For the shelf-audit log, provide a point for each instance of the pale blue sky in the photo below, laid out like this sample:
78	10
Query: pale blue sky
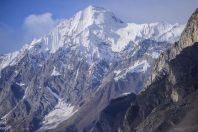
20	20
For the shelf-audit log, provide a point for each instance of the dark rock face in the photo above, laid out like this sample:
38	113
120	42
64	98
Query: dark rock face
188	38
112	116
163	106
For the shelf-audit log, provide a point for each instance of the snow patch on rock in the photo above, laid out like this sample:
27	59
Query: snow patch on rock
155	55
20	84
62	111
174	96
139	66
55	72
125	94
8	59
117	72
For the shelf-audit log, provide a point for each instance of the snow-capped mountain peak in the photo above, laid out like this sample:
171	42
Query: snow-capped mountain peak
93	27
93	16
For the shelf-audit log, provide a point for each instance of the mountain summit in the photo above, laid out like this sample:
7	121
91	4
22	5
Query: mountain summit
94	15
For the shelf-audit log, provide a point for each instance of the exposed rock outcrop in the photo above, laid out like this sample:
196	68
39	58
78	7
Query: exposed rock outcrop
188	37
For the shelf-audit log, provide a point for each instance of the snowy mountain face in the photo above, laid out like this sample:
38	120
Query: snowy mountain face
94	27
55	77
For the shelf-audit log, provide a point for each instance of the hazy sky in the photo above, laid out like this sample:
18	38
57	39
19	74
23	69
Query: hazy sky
23	20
